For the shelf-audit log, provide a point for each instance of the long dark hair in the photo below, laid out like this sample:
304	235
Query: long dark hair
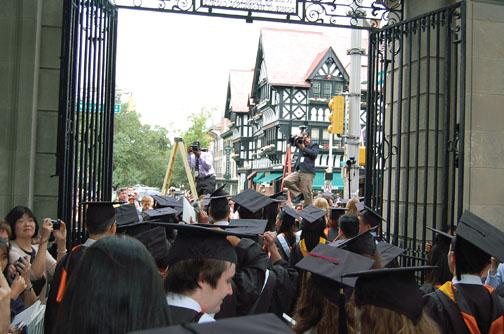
312	232
17	213
115	289
287	227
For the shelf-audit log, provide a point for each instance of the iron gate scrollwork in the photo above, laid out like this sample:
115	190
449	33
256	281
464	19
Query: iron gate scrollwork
415	126
86	117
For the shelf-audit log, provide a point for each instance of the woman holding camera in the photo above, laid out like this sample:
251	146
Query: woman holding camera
24	229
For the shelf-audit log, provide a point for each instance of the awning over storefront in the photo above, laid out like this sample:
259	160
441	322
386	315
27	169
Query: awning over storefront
271	177
318	181
258	177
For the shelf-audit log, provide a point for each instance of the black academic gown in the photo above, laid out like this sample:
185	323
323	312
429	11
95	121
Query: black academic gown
52	306
296	255
474	305
285	289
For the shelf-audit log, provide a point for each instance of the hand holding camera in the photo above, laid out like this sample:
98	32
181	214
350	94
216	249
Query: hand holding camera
23	266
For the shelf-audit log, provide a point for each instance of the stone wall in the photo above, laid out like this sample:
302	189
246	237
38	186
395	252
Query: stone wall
29	86
484	149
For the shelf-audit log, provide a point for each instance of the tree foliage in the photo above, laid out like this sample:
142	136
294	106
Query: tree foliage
140	151
196	132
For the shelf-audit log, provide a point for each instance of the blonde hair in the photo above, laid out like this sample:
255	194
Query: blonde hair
148	199
315	311
379	320
322	203
351	206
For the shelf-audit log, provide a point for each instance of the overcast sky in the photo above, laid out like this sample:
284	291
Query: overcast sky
176	64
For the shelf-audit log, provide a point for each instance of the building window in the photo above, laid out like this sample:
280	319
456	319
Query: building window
315	89
339	88
327	90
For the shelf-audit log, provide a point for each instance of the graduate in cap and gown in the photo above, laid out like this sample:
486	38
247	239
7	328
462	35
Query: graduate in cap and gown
251	204
464	304
322	303
438	256
389	300
202	264
100	222
286	232
312	233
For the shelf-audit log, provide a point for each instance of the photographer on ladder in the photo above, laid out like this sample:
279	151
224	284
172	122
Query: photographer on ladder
201	163
300	182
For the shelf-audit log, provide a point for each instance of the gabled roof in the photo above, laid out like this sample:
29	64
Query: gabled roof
239	86
290	54
321	59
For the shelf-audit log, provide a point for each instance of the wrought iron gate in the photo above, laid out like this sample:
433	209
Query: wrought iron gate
415	125
87	93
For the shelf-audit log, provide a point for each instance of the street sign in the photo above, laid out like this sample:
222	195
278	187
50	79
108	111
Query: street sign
93	107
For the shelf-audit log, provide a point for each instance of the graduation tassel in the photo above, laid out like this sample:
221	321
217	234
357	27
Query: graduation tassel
342	313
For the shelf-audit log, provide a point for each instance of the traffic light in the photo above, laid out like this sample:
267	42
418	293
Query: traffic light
337	116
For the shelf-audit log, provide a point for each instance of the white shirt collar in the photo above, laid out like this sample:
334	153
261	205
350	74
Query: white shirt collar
467	279
88	242
221	223
175	299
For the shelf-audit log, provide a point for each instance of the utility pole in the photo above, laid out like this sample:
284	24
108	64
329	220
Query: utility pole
354	100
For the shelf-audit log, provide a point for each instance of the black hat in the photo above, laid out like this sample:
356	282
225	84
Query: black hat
337	212
388	252
196	143
291	212
332	263
198	241
393	288
363	244
278	197
441	233
100	214
126	215
266	323
156	243
219	193
166	201
481	234
371	217
252	200
161	213
312	218
311	213
247	226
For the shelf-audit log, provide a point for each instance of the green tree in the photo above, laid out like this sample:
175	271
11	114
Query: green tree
196	132
140	151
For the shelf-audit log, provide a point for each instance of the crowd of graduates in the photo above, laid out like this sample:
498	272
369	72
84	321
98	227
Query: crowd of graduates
247	263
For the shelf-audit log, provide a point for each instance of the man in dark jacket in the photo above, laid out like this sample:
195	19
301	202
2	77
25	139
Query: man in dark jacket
300	182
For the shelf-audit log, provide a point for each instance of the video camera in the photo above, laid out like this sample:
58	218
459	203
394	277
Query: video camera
299	139
351	161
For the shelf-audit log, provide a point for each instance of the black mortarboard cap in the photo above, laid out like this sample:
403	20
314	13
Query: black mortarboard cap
388	252
166	201
156	243
198	241
126	215
312	218
100	213
393	288
278	197
291	212
337	212
252	200
370	216
362	243
266	323
441	233
219	193
481	234
331	263
247	226
161	213
311	213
